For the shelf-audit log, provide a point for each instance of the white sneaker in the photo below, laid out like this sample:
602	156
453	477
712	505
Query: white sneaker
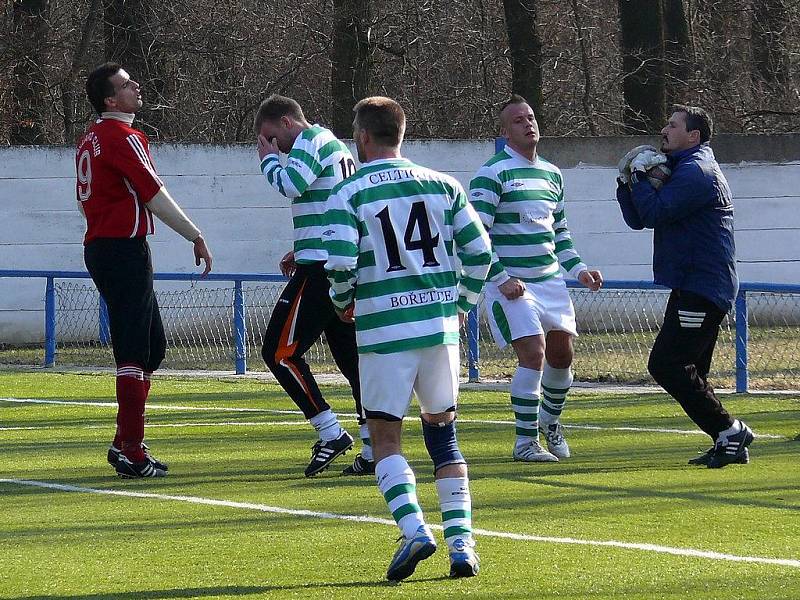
533	452
554	434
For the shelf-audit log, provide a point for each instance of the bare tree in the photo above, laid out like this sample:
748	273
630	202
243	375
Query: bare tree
643	87
79	57
131	39
351	61
769	28
525	48
29	79
586	69
678	64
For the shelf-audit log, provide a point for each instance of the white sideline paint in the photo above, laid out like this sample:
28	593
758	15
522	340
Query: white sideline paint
690	552
341	418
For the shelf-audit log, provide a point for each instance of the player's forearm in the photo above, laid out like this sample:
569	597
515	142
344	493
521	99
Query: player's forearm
166	209
342	288
567	256
497	272
280	179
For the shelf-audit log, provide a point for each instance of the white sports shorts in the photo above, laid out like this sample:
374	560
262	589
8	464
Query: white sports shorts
389	380
544	306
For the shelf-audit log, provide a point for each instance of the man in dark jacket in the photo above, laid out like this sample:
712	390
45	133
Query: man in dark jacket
693	254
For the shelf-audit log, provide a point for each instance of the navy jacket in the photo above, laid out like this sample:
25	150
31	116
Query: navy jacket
692	221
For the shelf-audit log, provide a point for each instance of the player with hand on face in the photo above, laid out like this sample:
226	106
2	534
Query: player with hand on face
317	161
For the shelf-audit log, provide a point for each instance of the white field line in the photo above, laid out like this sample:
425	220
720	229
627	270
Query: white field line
690	552
297	412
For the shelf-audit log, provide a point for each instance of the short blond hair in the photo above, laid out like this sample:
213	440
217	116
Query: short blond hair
383	118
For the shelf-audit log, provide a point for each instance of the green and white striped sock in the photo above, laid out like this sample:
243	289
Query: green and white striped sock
525	403
555	385
399	488
456	504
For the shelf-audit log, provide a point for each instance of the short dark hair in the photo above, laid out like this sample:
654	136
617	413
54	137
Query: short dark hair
383	118
275	107
98	86
697	119
512	99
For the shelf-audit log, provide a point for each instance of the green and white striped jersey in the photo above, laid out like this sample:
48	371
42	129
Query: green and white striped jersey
392	229
316	163
521	204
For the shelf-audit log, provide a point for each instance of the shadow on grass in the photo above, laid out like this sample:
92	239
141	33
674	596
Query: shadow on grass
229	590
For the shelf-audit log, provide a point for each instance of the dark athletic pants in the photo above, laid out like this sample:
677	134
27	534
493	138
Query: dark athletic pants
302	314
122	270
681	358
123	273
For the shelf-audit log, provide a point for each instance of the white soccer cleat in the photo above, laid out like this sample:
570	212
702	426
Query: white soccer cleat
533	452
554	434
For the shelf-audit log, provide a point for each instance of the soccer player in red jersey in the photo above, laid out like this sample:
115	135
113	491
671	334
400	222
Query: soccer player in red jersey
118	191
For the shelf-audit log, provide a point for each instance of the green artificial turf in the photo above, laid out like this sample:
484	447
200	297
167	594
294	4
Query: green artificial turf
620	485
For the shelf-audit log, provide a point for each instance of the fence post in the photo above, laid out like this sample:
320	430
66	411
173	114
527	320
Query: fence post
239	331
104	330
473	339
50	324
741	342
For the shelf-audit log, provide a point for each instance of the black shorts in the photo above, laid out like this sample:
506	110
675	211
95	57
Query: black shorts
122	270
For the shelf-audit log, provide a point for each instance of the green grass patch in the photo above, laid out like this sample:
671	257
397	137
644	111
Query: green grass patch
628	486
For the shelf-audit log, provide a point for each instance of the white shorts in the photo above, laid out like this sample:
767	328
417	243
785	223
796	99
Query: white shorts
388	380
544	306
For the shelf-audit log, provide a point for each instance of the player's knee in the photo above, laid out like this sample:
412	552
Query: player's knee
268	352
560	360
442	445
660	369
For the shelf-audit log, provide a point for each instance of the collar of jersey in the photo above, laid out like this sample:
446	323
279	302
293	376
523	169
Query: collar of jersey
383	162
119	116
513	153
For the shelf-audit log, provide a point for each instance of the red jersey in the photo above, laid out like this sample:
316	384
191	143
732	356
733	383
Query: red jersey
116	178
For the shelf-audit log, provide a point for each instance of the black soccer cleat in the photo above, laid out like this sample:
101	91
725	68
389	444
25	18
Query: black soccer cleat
324	453
734	450
360	466
114	454
131	470
704	458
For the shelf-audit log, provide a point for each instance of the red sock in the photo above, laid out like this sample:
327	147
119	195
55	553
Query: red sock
130	414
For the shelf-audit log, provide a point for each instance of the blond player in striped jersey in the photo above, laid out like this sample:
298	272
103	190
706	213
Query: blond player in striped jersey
520	199
393	230
317	161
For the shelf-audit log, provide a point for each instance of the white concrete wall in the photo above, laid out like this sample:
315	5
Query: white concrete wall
248	226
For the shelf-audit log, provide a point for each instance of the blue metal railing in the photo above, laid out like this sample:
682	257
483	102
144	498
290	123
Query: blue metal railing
239	332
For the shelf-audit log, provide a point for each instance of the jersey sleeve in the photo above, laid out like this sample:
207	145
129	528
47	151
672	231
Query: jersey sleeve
473	248
131	157
485	190
567	256
302	167
340	239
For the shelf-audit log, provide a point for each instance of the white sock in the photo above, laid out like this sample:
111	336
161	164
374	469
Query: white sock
456	504
366	444
525	403
732	430
327	425
555	385
398	485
